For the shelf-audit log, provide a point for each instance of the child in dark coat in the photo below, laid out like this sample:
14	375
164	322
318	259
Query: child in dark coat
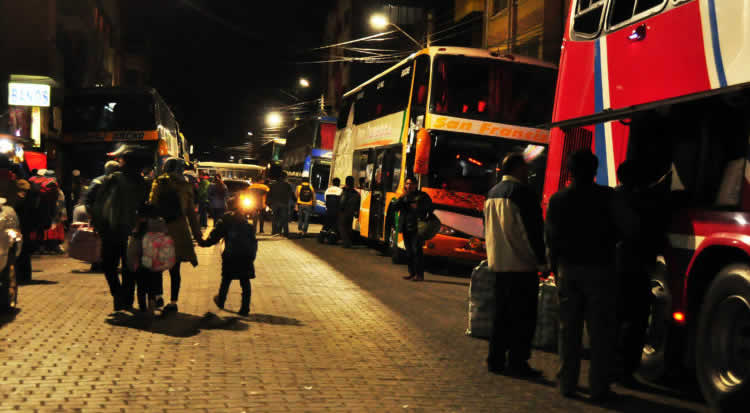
238	256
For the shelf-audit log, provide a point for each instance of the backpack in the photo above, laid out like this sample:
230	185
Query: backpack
305	193
240	240
47	193
169	206
158	252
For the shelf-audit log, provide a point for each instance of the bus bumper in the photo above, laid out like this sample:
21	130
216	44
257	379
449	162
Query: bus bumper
456	248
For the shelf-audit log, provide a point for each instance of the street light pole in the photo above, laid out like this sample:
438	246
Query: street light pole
419	45
379	22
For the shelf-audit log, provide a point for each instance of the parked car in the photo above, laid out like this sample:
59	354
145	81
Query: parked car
10	248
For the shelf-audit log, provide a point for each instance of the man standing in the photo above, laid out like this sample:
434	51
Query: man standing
414	206
514	233
582	227
305	204
280	194
259	191
114	216
333	201
350	201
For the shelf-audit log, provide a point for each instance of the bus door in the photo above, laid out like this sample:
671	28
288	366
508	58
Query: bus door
387	160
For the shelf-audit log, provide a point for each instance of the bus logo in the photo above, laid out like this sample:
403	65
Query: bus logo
500	130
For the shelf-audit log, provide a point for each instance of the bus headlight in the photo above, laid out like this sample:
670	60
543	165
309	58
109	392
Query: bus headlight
247	202
444	230
475	244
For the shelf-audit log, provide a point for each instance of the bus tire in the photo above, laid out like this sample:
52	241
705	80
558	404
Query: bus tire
723	340
654	358
397	255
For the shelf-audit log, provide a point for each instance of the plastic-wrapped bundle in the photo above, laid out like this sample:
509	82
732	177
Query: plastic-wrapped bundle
548	316
481	301
10	234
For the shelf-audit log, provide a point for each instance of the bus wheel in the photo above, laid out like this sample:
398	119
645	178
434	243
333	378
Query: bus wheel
723	340
653	359
397	256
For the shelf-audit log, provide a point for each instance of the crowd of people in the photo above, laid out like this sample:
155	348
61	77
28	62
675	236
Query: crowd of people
595	241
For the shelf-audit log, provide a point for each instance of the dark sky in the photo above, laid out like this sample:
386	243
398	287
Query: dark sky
220	63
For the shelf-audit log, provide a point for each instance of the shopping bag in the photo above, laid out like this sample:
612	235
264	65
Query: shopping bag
481	301
548	316
428	228
85	244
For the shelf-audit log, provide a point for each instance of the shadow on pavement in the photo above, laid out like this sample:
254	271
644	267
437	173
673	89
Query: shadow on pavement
273	319
177	325
629	403
8	316
37	282
446	282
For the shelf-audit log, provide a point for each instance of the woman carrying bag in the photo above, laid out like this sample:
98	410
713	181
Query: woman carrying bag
416	222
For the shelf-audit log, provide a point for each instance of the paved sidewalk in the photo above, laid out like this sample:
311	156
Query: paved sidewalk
329	330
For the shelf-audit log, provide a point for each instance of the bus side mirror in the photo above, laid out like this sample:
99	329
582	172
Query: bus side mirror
422	152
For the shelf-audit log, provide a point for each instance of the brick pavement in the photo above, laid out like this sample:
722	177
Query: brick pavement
330	330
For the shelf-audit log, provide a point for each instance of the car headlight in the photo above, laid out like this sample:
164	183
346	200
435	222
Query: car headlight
247	202
13	235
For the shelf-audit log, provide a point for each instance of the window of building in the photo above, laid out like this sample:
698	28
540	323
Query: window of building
626	11
498	6
587	18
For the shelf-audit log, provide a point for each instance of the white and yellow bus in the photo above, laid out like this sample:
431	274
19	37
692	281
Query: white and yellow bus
449	115
228	170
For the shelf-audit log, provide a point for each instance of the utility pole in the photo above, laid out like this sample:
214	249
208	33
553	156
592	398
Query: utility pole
430	26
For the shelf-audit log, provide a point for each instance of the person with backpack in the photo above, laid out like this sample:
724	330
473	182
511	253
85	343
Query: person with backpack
115	205
305	204
217	197
350	200
172	196
238	256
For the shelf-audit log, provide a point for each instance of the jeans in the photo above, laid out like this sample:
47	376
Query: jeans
258	220
203	214
586	293
305	211
280	219
634	309
217	213
246	292
414	253
23	262
113	253
345	229
175	279
147	284
515	318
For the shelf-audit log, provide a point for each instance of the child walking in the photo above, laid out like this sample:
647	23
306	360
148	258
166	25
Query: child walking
238	256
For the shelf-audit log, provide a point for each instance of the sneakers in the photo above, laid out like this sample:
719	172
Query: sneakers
218	303
170	308
523	371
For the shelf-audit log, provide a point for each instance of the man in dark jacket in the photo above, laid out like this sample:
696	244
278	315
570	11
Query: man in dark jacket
280	195
414	206
350	201
583	224
114	217
514	235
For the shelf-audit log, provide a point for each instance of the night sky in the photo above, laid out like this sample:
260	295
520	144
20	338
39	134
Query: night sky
219	64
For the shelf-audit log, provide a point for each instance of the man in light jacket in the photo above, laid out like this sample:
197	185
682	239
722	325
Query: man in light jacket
514	234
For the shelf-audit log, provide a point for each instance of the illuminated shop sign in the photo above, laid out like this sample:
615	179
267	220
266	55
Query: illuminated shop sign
28	94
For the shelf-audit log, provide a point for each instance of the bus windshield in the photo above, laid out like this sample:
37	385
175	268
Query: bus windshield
113	112
319	173
468	163
492	90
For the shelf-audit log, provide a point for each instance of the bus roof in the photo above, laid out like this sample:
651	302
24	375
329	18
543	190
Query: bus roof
456	51
230	165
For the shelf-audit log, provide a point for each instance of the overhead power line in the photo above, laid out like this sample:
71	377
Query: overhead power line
361	39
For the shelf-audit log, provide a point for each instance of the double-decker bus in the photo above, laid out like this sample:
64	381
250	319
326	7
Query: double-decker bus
449	115
97	120
307	155
664	83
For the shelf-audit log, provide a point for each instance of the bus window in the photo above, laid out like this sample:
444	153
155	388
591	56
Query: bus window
362	166
625	11
396	152
587	18
319	173
87	113
384	96
492	90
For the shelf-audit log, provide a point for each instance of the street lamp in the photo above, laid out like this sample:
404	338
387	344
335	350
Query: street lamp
380	22
249	134
304	82
273	119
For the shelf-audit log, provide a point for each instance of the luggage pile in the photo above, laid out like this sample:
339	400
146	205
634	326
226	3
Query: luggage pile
481	301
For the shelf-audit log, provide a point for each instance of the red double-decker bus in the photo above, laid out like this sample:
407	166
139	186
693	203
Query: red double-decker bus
665	83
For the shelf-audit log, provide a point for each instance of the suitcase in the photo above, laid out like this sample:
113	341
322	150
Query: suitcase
85	244
548	316
481	301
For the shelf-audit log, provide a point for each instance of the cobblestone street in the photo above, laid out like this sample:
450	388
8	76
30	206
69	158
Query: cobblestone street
330	330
